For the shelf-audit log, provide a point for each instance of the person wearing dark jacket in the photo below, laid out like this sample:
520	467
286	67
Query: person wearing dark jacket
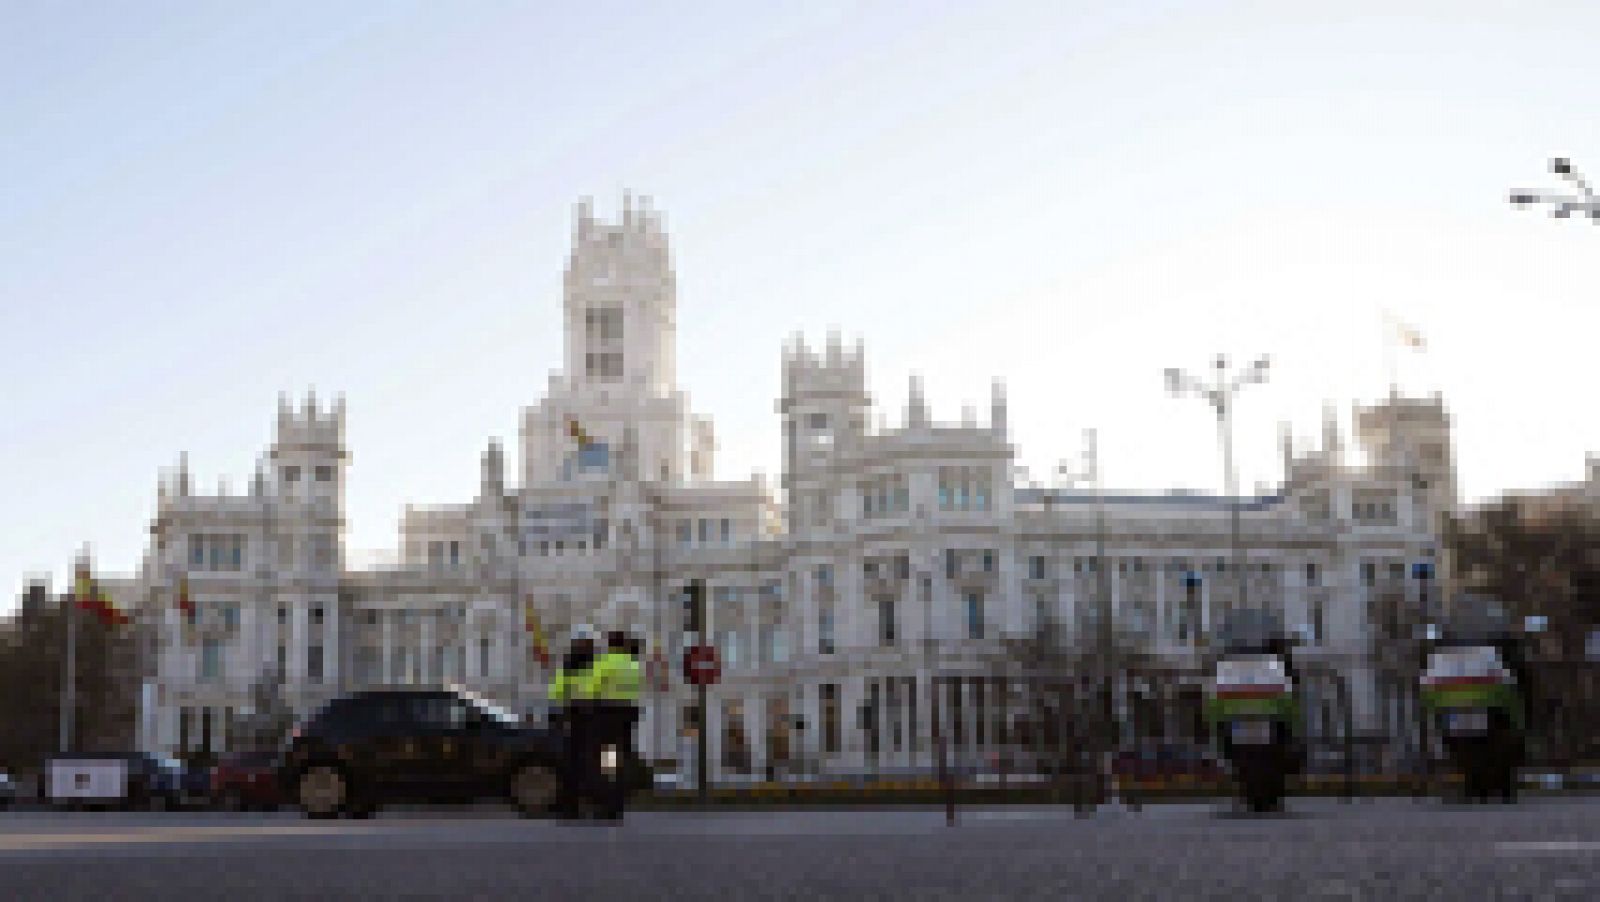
573	689
618	682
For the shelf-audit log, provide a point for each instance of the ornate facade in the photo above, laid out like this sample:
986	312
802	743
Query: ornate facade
897	555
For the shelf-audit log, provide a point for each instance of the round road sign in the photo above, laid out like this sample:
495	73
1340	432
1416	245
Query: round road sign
700	666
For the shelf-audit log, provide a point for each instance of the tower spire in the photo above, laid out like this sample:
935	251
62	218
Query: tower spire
916	405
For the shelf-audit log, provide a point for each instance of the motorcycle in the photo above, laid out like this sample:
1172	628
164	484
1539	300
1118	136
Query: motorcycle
1476	708
1254	711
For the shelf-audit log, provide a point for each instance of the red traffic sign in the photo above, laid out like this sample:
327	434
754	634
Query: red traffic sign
700	666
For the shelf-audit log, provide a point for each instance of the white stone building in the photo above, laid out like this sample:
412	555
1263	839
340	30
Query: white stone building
896	555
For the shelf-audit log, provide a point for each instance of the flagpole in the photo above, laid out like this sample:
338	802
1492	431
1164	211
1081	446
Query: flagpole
1390	324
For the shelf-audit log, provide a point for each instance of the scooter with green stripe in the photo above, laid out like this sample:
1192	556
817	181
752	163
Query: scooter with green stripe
1253	707
1472	693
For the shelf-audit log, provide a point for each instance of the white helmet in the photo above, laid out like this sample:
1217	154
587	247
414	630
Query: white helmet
584	631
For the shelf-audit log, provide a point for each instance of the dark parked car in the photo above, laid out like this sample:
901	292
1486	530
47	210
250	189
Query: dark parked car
246	781
8	791
422	745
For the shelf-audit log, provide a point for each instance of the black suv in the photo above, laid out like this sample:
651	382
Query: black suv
417	745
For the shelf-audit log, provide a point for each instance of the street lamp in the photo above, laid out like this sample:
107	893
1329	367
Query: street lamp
1219	393
1103	633
1563	206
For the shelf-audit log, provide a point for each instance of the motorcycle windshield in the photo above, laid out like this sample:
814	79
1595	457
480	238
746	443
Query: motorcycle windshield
1473	663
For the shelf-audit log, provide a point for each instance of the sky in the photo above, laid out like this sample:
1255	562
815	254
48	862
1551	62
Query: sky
202	205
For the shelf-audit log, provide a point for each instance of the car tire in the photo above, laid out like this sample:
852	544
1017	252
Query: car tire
233	801
322	791
533	789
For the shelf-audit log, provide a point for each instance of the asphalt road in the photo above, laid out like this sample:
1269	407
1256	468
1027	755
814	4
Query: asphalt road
1546	848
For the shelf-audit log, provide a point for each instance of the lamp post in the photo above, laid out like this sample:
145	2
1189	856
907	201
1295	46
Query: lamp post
1563	206
1219	393
1103	626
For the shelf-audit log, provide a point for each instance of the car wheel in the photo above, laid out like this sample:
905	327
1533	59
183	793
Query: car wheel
322	791
534	788
233	801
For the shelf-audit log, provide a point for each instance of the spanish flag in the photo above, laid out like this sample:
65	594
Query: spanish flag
185	603
578	434
1404	333
530	622
89	596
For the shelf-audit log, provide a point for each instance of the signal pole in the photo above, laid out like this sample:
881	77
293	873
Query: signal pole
697	621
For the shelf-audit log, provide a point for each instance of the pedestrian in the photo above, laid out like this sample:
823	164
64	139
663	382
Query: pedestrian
573	690
618	683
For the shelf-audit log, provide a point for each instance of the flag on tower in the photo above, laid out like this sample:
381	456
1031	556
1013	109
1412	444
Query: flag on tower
89	596
185	603
1406	334
578	434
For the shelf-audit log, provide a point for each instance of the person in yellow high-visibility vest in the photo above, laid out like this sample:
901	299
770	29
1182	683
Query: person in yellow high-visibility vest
572	694
618	681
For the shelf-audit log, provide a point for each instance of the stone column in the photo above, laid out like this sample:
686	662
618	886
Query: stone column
386	665
332	643
755	729
298	631
425	647
852	740
1161	575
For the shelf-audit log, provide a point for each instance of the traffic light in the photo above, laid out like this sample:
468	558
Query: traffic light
694	606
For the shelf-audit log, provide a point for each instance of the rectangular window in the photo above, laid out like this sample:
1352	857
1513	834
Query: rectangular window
1369	573
685	532
988	562
230	616
727	529
1316	622
1036	567
887	636
197	551
291	474
825	576
780	646
211	660
705	531
594	458
902	566
974	615
952	563
825	630
316	615
817	421
483	657
435	555
1311	574
314	663
829	696
324	473
455	554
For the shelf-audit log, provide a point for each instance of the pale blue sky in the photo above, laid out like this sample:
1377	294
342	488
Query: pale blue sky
204	204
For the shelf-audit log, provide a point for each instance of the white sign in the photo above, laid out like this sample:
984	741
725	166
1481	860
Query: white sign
101	780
